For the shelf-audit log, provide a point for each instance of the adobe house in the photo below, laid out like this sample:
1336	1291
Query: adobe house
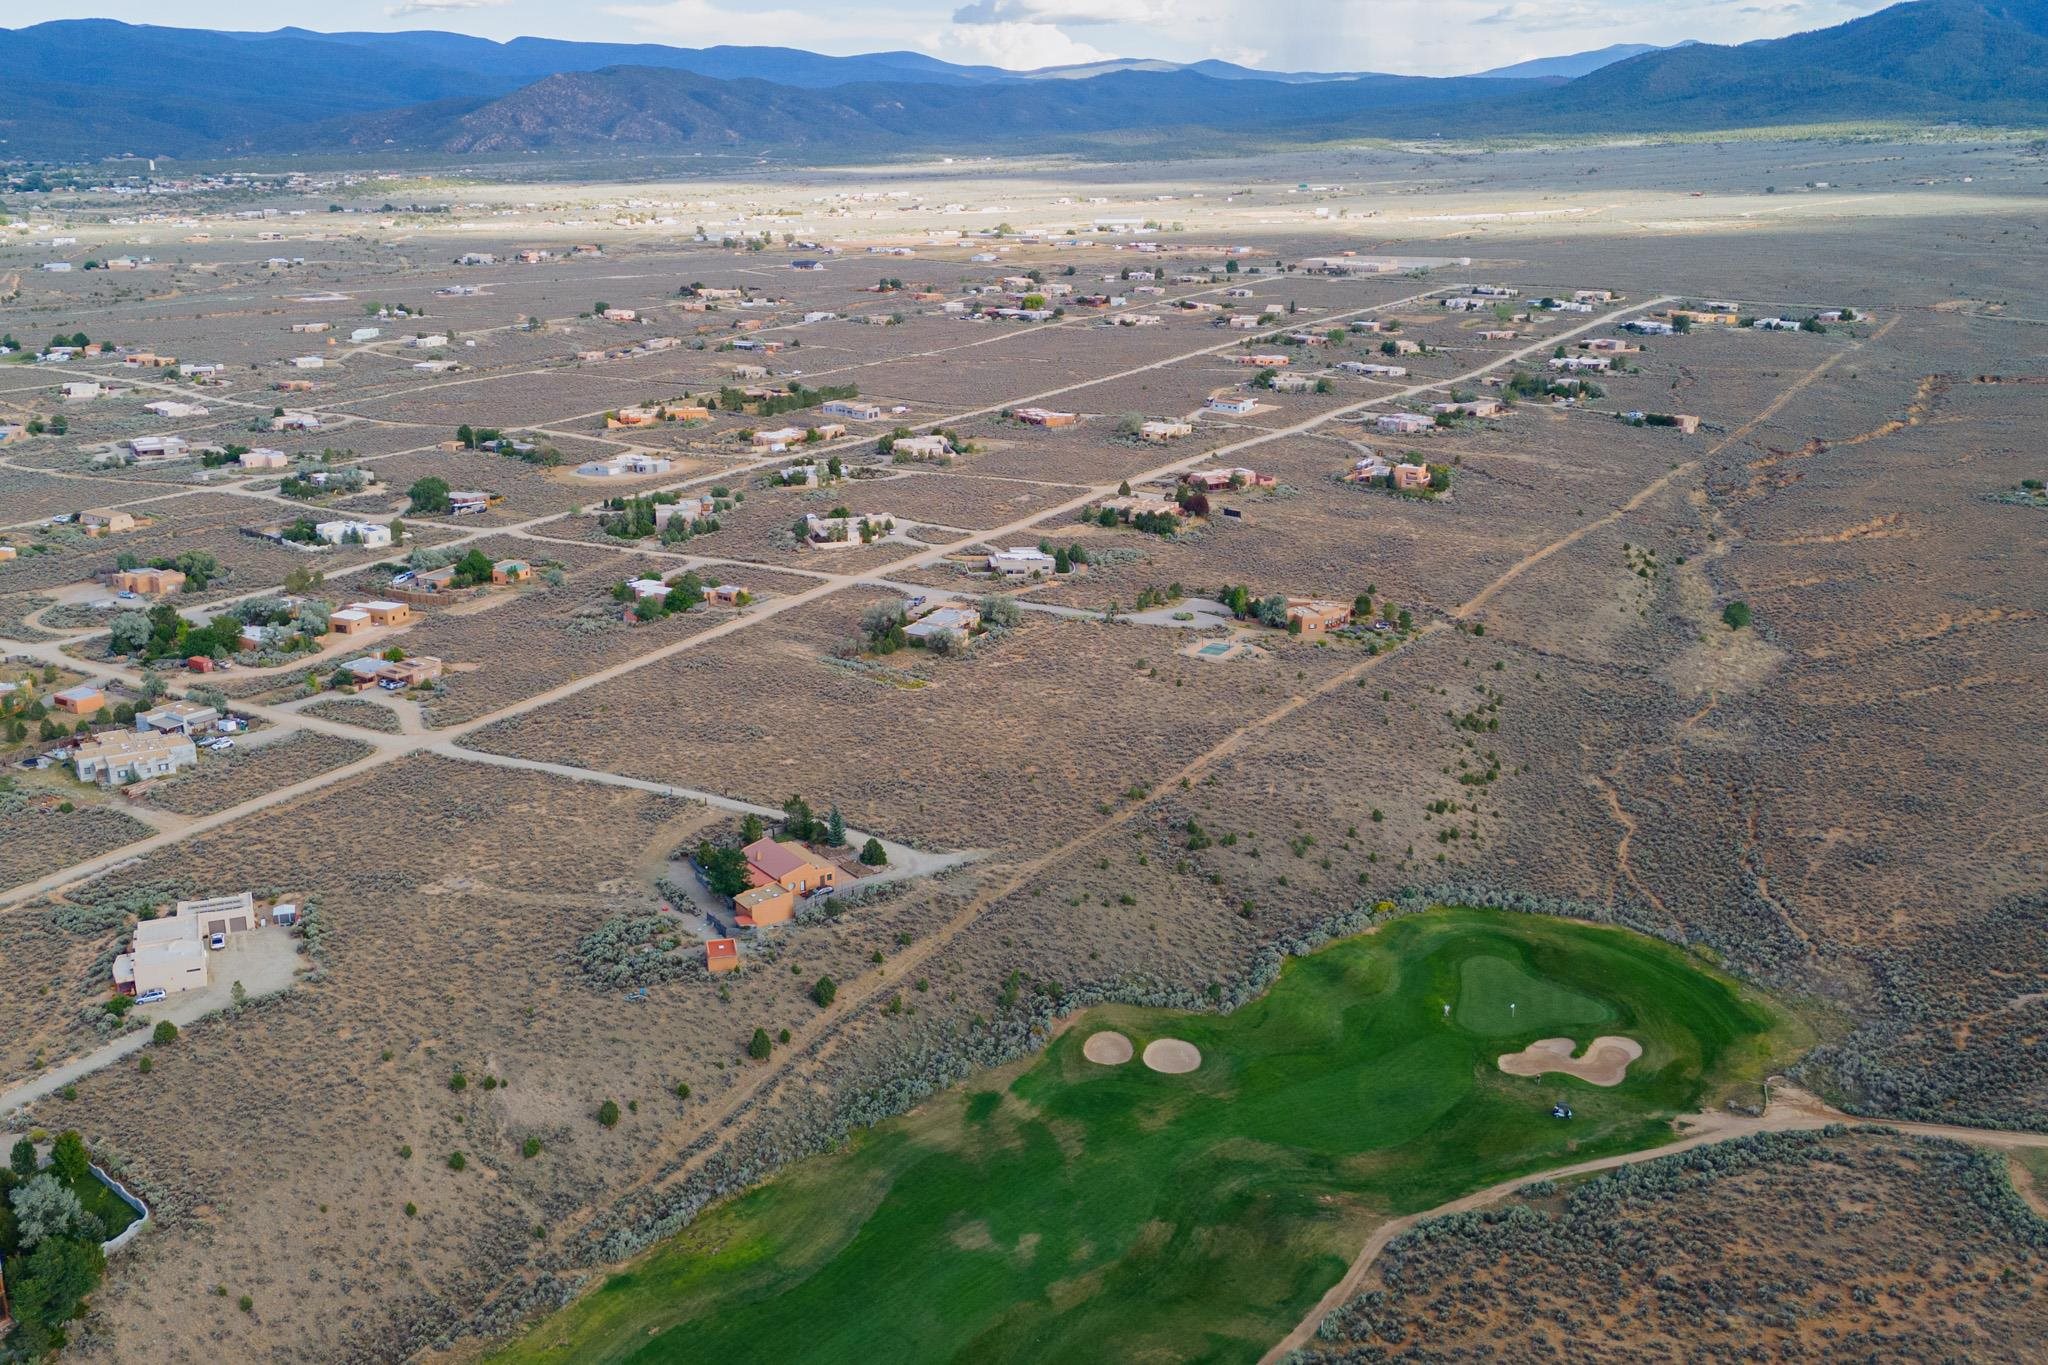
781	871
722	955
82	700
1318	617
150	582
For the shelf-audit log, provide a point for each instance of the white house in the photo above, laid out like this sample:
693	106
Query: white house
82	389
1237	405
177	718
852	409
367	533
125	756
624	465
173	410
308	362
1021	561
1402	423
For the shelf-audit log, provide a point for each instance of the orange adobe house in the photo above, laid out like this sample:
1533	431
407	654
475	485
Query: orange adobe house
82	700
780	871
722	955
1318	617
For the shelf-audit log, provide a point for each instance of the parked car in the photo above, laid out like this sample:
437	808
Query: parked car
126	596
217	942
150	997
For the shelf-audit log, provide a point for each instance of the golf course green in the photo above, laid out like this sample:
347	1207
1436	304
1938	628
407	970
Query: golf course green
1060	1210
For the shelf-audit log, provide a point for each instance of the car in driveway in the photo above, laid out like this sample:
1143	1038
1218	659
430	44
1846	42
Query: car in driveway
217	942
150	997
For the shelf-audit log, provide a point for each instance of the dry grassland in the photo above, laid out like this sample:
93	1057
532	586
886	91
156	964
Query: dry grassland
1781	1246
1002	748
228	780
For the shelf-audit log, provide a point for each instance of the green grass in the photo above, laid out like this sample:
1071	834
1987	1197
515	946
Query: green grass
112	1211
1057	1210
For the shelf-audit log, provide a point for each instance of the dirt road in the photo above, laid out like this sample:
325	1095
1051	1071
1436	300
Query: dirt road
1790	1110
265	961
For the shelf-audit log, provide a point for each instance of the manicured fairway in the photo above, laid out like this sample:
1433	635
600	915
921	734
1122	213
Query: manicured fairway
1064	1210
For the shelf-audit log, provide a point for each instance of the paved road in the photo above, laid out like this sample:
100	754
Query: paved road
265	961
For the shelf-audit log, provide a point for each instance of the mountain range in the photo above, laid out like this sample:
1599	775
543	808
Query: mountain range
89	88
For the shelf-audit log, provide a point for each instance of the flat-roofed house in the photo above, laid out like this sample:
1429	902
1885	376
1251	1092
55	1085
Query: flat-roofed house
1021	561
721	955
410	672
1402	423
1317	616
1216	480
1045	417
169	966
82	700
154	582
178	718
959	621
124	755
382	613
921	447
103	523
365	533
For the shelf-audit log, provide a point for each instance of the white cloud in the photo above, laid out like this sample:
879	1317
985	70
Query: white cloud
706	23
1018	47
410	7
1078	12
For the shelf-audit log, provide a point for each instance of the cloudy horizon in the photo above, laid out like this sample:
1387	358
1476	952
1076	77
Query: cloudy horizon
1412	37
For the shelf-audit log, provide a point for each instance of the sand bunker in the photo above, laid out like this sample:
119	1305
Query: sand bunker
1110	1049
1605	1063
1172	1056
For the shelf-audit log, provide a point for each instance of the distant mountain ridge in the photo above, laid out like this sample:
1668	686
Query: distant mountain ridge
87	88
1575	64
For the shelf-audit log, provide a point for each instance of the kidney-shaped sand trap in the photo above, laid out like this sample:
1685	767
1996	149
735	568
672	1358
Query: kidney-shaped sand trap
1605	1063
1108	1048
1172	1056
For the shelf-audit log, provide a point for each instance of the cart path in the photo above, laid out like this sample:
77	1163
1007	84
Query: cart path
1790	1110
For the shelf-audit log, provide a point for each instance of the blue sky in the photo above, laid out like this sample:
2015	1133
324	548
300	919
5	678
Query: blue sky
1424	37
